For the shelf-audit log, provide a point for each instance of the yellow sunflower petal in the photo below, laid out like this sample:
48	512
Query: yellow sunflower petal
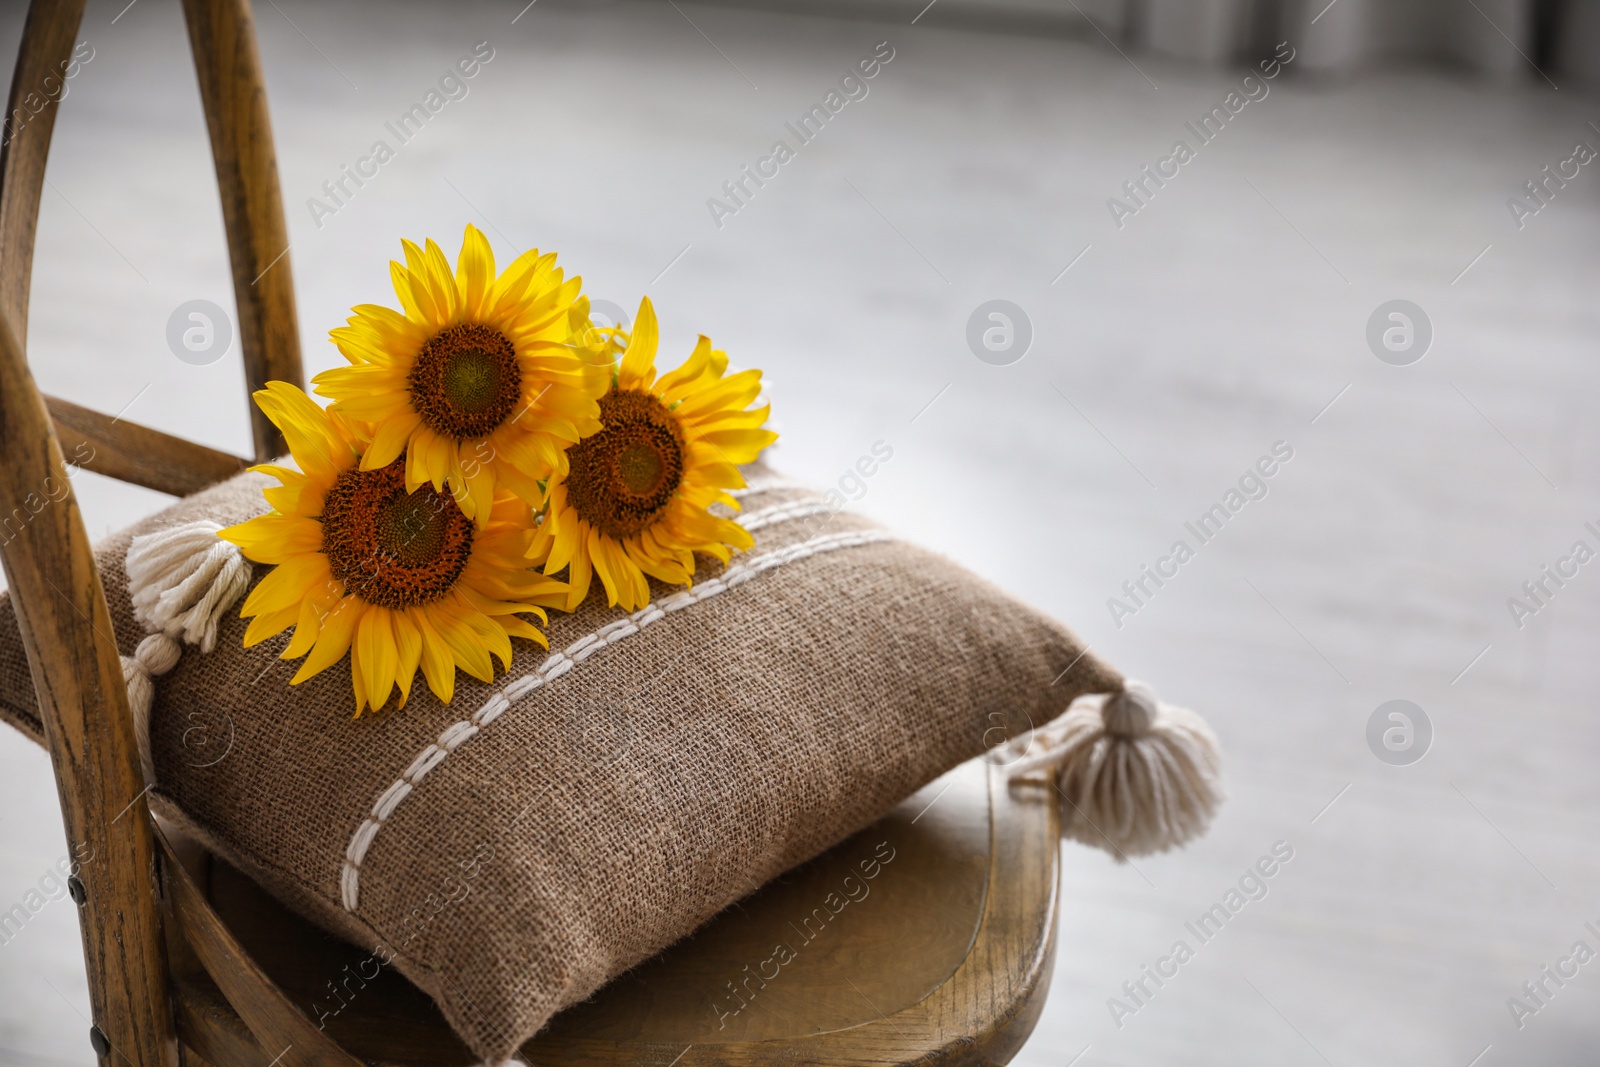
313	609
419	471
338	629
389	439
274	538
739	446
475	273
611	565
580	572
734	391
519	628
479	488
408	646
270	624
317	446
374	655
441	283
511	287
286	584
414	296
692	369
451	620
639	358
490	635
438	665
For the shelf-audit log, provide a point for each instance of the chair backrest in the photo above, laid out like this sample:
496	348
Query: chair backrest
60	603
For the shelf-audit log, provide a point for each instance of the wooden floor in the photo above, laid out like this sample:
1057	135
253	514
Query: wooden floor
1228	314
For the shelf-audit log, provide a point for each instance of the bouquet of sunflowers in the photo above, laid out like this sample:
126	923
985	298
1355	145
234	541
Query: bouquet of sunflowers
486	453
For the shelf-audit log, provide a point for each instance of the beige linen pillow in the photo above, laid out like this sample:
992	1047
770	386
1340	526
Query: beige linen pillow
516	849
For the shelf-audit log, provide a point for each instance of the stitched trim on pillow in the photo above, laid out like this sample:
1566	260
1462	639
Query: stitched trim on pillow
789	509
765	482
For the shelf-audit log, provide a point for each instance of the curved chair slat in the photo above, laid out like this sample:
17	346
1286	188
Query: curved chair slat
271	1017
47	41
129	452
222	35
211	1031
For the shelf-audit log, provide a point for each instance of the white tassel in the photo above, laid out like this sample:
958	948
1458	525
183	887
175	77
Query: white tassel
156	655
181	580
1136	776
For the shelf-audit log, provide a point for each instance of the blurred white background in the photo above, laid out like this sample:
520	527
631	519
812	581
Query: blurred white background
1228	314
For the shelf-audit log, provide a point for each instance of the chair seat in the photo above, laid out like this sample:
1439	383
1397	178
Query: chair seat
943	955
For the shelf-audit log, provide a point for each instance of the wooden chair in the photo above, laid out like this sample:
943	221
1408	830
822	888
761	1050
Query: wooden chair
946	960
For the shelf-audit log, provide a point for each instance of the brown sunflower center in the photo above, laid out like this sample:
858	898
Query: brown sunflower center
389	547
465	381
623	477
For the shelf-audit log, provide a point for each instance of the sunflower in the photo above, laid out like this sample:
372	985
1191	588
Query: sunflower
399	577
634	498
481	381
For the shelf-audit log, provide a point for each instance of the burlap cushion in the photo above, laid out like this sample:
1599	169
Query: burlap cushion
514	850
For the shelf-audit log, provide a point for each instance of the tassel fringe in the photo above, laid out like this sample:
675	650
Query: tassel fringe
1136	776
181	579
